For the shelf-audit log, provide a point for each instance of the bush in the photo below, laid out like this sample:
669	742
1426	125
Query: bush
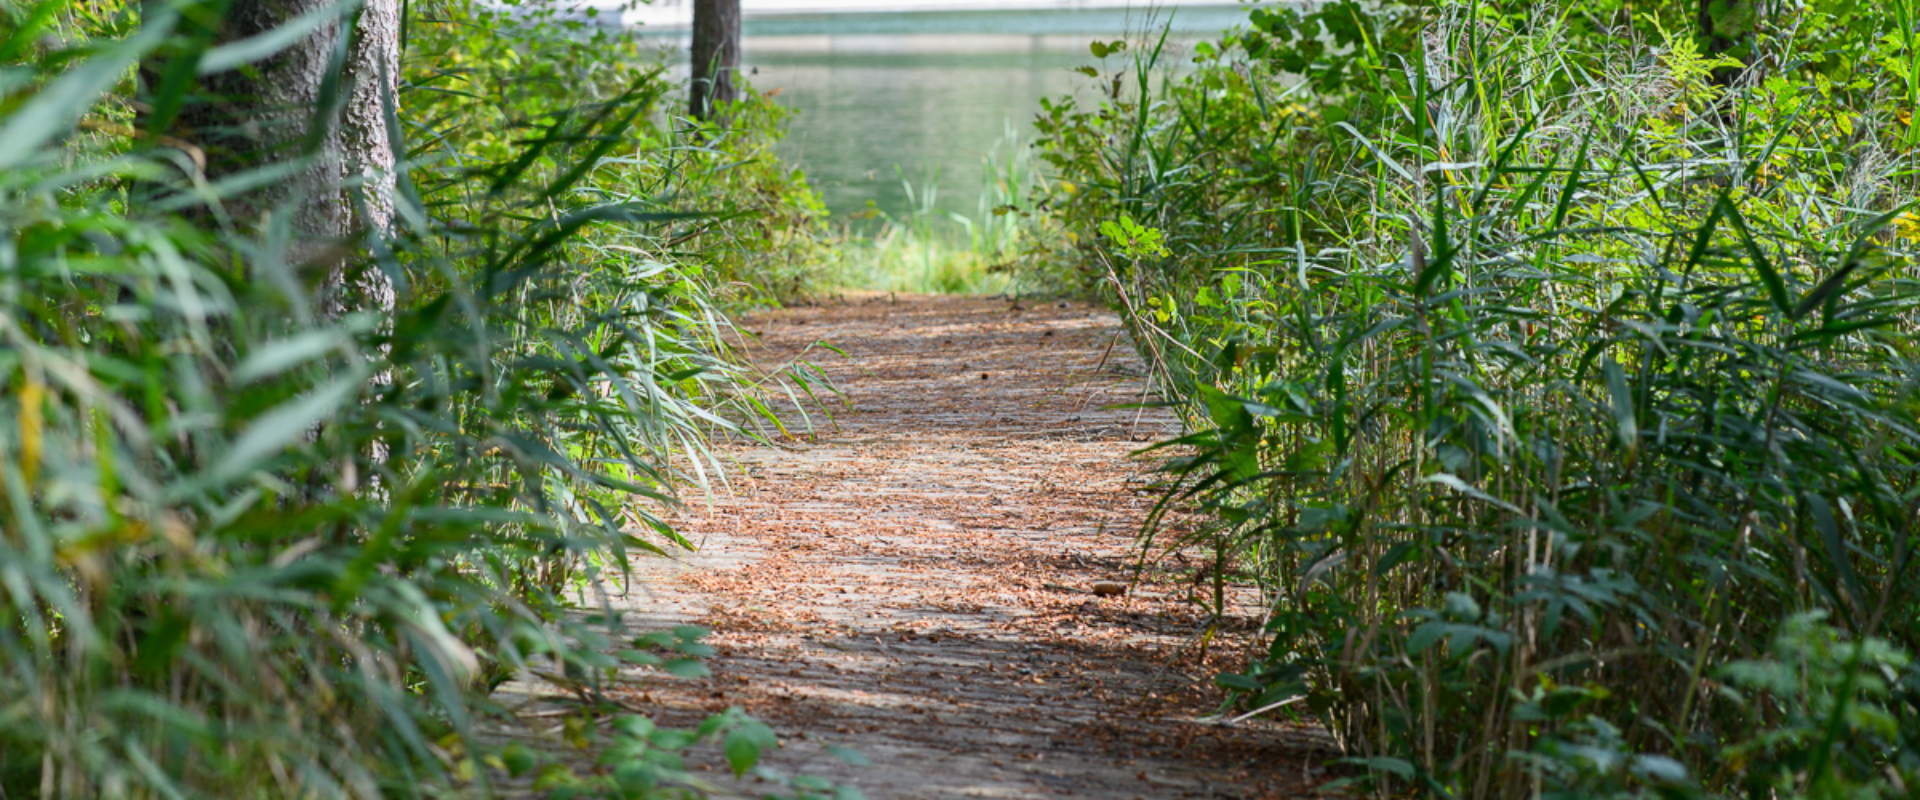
484	80
1538	375
254	549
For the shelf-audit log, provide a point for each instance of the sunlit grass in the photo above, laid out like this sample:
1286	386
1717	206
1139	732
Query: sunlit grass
934	250
926	260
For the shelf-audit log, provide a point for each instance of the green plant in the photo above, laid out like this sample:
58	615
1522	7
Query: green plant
252	548
1532	384
1829	717
482	80
1002	247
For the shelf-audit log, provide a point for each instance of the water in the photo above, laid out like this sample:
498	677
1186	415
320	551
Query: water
925	96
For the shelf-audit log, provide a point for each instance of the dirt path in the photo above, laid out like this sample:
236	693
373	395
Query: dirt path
916	584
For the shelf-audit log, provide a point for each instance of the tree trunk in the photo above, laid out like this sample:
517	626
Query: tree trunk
716	55
340	158
363	151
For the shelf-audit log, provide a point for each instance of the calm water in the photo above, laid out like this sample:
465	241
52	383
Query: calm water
919	96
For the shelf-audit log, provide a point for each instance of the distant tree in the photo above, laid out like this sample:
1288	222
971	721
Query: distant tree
716	55
316	107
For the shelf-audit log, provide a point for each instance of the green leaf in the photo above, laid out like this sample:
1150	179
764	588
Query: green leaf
290	421
1228	412
672	739
1769	277
519	759
848	755
1426	635
1823	521
1455	483
1660	769
1234	680
56	107
1621	399
640	658
27	31
1239	439
1827	289
636	779
746	743
686	668
1396	766
1394	556
634	726
664	639
279	356
1385	160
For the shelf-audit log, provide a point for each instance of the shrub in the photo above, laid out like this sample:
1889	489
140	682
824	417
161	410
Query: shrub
253	549
1537	377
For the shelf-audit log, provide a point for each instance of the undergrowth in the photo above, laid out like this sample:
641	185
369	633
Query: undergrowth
1550	371
999	248
251	547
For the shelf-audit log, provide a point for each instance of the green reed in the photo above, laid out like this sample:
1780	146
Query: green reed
248	549
930	249
1558	399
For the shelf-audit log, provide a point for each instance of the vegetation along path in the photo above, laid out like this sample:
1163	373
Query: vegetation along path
918	582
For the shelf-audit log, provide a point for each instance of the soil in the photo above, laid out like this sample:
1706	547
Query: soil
916	578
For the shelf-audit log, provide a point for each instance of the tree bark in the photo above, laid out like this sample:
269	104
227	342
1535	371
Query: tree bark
340	158
364	151
716	56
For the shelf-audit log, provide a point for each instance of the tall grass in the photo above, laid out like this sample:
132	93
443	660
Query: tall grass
934	250
251	549
1559	398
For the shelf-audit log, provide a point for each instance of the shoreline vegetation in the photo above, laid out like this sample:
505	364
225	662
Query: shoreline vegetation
265	534
1550	371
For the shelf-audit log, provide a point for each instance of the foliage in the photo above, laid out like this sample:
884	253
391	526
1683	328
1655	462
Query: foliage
1537	374
252	550
1821	709
931	258
1003	246
484	79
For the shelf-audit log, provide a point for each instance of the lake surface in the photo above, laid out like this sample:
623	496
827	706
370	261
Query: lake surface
895	108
